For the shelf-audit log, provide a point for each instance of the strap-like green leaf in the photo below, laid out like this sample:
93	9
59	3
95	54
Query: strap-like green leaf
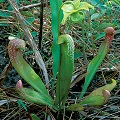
65	69
56	19
97	98
31	95
93	66
95	63
24	69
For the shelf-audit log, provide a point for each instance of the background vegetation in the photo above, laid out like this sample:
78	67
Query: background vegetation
87	34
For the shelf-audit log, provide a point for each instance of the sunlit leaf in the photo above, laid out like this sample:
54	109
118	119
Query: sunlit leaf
108	87
77	17
85	6
76	4
72	8
93	66
67	8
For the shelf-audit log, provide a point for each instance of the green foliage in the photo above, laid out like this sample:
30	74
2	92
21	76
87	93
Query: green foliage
103	26
98	36
77	54
63	55
116	1
31	95
21	103
72	8
3	24
5	14
103	16
8	18
96	98
30	20
27	13
95	16
65	69
2	0
97	60
22	67
34	117
57	16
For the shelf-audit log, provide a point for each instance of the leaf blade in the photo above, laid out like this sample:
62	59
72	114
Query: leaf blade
56	19
95	98
93	66
23	68
65	69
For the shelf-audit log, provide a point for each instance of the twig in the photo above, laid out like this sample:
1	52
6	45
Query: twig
5	73
29	6
41	25
33	45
